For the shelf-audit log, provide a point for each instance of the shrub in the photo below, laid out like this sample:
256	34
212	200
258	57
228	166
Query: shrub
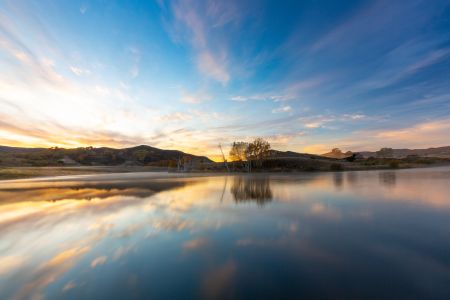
394	164
336	167
311	168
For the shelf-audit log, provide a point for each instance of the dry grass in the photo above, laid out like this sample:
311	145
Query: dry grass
28	172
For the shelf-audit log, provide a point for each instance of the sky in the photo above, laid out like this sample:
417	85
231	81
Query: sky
307	76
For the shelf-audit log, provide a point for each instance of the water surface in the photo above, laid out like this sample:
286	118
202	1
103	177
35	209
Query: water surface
361	235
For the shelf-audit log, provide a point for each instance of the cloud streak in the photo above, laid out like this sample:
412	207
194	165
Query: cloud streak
191	22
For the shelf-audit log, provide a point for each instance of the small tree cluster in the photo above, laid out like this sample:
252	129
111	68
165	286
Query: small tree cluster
258	150
254	151
238	151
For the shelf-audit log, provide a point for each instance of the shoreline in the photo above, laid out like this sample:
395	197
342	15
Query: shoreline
13	173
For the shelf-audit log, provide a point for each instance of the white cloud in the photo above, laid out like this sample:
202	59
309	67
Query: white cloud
239	98
432	133
135	61
68	286
10	263
325	121
98	261
79	71
356	116
213	66
282	109
191	99
257	97
134	71
176	116
211	56
196	98
83	8
313	125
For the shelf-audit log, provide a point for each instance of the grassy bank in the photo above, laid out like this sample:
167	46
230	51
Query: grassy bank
29	172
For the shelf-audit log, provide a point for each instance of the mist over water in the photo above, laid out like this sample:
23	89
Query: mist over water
370	234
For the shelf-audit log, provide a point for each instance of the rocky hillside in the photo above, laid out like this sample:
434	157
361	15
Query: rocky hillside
337	153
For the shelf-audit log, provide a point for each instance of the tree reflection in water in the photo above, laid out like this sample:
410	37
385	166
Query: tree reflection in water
388	178
246	189
338	180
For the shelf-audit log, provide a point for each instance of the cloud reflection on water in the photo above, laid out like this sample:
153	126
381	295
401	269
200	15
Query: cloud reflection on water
55	233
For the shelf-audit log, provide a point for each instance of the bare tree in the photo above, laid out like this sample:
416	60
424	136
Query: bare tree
224	159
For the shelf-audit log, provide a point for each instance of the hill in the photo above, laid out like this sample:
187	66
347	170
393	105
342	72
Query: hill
291	154
7	149
442	152
337	153
90	156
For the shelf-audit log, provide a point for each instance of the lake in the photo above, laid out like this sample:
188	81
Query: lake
353	235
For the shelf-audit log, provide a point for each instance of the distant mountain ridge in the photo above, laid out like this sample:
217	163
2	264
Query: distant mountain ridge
139	155
8	149
428	152
291	154
442	152
144	155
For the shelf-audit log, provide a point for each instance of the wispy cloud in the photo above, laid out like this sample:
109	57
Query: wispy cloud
282	109
176	116
213	65
370	20
330	120
403	62
313	124
197	98
98	261
192	23
83	8
257	97
79	71
420	135
295	89
68	286
239	98
135	61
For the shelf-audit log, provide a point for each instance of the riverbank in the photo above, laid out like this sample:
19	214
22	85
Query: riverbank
30	172
7	173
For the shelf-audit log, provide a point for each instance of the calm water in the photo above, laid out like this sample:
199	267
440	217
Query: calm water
378	234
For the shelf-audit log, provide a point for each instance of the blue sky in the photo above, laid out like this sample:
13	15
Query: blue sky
306	75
